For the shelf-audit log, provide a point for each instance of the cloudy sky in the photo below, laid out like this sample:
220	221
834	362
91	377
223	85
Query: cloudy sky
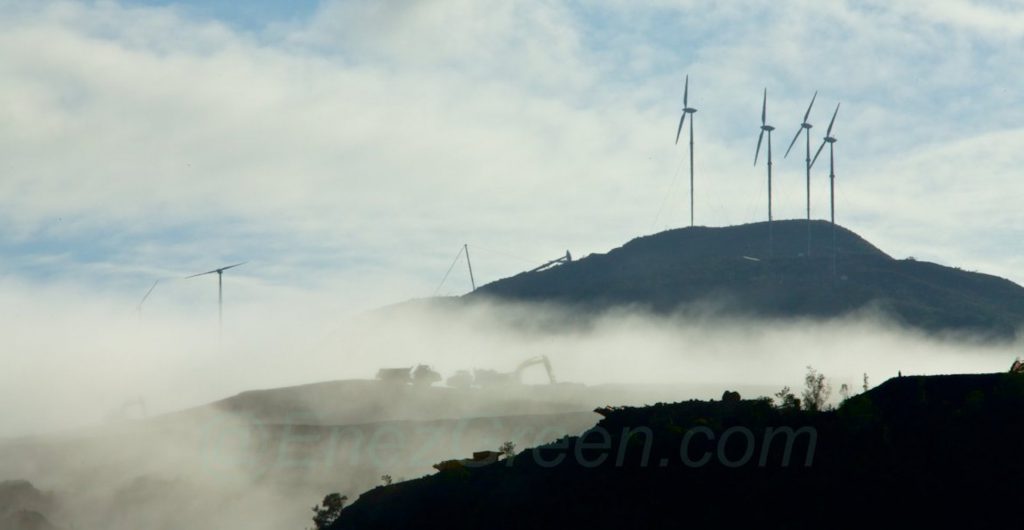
347	149
350	148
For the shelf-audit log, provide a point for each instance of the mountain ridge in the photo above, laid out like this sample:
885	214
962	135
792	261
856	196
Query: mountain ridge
734	268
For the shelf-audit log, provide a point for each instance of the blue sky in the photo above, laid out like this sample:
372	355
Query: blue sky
347	149
253	15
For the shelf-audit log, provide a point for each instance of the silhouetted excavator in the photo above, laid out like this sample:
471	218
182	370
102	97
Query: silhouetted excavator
492	377
567	258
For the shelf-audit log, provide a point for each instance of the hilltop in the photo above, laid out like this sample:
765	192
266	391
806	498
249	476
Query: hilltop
915	451
731	270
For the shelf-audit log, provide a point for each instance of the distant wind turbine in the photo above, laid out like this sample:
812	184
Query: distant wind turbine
805	127
766	128
139	307
687	110
220	291
831	141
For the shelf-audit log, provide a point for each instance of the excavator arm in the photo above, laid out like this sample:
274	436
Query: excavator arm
540	359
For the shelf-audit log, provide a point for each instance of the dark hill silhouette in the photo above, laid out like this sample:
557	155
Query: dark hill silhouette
22	506
916	452
730	269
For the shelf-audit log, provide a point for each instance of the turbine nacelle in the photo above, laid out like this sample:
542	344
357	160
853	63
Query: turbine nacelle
687	109
829	139
804	127
764	127
218	271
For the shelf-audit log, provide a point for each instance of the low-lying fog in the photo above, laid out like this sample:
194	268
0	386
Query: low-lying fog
77	362
79	367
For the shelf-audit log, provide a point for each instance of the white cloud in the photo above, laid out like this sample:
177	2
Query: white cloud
350	155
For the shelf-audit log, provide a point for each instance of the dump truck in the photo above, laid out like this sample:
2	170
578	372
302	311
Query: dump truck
419	375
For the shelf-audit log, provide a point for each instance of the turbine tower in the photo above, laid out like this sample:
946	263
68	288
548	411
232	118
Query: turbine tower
687	110
766	128
831	141
220	292
806	129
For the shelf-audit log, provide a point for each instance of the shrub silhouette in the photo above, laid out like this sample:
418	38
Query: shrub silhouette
816	390
328	511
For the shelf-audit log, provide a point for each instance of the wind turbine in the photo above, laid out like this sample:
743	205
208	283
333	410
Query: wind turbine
220	292
766	128
831	141
806	129
139	307
687	110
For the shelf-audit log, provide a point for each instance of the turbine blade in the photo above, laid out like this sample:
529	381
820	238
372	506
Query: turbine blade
148	293
818	153
833	122
222	269
758	151
793	142
764	107
808	113
686	91
680	129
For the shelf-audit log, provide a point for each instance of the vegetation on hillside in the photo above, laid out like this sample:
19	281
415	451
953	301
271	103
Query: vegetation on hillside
914	451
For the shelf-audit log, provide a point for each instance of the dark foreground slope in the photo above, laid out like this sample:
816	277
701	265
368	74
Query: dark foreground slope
23	507
916	451
732	270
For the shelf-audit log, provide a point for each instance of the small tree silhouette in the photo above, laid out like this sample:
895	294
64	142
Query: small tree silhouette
786	399
844	391
329	509
816	390
508	449
386	479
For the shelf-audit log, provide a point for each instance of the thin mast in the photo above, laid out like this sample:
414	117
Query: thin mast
767	128
806	127
771	240
465	247
832	199
807	136
220	304
691	167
